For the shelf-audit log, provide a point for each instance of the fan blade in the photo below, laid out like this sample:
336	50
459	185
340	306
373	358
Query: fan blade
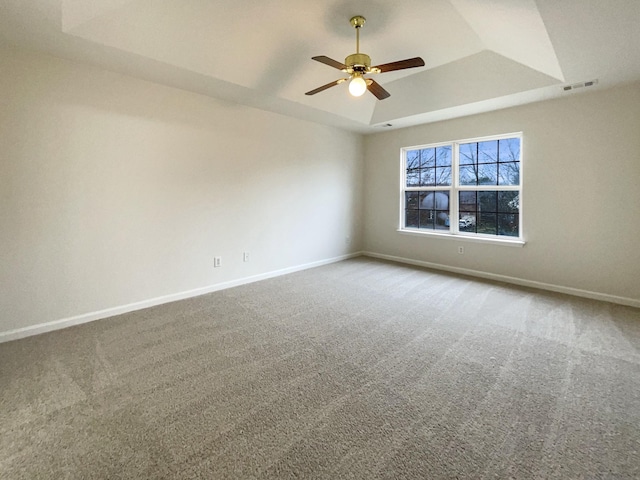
330	61
328	85
401	65
375	88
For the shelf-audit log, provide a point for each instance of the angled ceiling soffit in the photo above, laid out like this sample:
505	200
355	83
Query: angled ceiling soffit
514	29
483	76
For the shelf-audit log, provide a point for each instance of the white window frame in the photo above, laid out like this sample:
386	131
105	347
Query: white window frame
454	189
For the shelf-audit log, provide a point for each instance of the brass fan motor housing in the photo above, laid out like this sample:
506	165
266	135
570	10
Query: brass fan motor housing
358	62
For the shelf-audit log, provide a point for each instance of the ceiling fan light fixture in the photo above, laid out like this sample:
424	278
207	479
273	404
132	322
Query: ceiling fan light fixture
358	64
357	86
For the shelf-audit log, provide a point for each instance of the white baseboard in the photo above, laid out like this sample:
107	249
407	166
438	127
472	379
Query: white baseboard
110	312
631	302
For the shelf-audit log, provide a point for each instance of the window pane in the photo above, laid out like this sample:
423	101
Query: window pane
413	168
508	202
443	176
488	201
428	157
469	153
509	173
427	219
467	206
434	210
413	159
467	222
442	220
488	174
488	223
411	218
434	200
468	175
428	177
467	202
509	150
508	224
413	178
443	156
488	151
412	200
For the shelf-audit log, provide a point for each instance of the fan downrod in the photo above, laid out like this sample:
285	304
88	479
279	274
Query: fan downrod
358	62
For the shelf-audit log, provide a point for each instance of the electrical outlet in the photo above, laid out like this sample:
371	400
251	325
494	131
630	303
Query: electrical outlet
217	261
245	257
461	250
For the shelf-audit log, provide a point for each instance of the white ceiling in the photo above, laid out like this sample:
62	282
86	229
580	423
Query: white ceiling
480	54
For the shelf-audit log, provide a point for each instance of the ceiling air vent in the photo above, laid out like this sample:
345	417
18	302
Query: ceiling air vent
575	86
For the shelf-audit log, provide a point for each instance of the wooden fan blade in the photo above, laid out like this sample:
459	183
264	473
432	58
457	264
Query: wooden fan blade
330	61
328	85
375	88
400	65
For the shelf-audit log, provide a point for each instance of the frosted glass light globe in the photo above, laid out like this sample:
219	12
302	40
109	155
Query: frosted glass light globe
357	86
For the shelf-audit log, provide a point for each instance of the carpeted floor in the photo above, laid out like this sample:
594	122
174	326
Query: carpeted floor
358	370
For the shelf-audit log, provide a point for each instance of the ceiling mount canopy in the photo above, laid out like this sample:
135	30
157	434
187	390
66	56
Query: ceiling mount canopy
358	64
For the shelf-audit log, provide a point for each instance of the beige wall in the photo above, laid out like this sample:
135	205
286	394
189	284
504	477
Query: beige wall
580	201
115	190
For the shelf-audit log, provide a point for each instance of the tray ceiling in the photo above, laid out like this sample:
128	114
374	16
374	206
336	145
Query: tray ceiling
480	54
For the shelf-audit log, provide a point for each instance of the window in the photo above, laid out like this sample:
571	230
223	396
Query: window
469	187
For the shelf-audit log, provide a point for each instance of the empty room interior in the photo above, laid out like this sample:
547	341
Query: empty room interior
301	239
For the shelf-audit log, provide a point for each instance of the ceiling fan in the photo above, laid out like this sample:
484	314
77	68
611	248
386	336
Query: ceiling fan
357	65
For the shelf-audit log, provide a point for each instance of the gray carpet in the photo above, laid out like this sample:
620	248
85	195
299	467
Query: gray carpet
359	370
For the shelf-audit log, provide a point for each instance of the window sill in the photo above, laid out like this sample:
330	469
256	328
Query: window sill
516	242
